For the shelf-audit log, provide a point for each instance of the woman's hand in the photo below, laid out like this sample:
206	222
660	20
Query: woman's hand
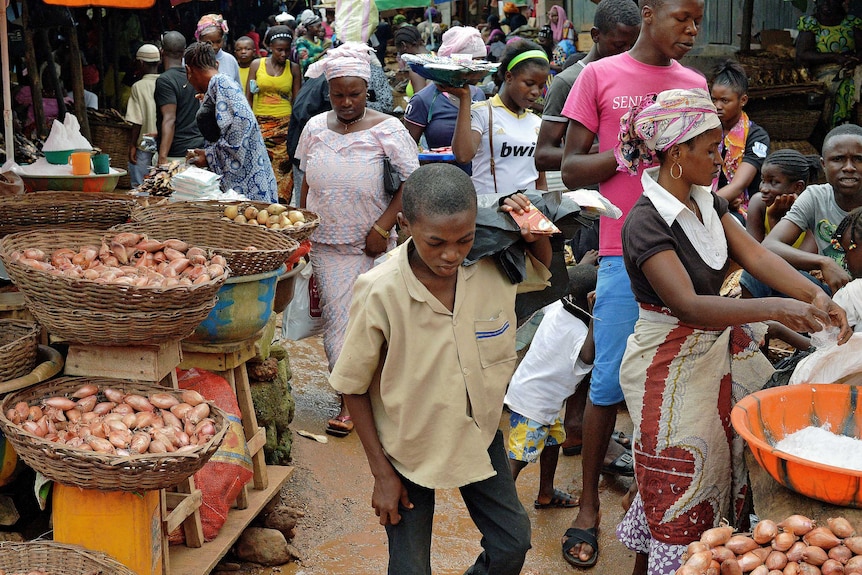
388	492
375	244
197	157
837	316
798	315
460	93
520	204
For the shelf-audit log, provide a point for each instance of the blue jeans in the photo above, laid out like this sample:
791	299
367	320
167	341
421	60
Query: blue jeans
139	171
616	312
759	289
495	509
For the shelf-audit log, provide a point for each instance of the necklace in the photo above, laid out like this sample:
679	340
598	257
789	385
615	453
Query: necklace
346	125
692	205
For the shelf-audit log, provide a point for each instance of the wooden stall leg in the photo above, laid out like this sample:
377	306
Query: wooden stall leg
249	424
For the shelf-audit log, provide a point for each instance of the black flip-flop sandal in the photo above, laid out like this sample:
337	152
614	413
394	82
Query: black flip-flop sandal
575	536
622	439
571	450
623	465
560	500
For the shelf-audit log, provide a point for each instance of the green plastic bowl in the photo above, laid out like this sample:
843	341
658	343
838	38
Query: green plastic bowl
58	156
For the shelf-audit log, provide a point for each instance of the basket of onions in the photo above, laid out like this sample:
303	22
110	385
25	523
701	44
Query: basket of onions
293	222
794	546
111	434
101	288
52	558
247	250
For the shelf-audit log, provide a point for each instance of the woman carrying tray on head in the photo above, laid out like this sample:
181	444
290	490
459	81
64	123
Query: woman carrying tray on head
342	154
499	136
433	112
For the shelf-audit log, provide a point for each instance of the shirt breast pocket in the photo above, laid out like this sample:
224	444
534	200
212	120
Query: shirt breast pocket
496	340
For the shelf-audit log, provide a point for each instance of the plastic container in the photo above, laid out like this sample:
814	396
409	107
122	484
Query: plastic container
765	417
88	183
126	526
244	306
58	156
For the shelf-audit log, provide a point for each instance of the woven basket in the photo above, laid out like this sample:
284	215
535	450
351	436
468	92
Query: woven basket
44	210
225	238
113	139
91	470
80	310
57	559
215	209
18	346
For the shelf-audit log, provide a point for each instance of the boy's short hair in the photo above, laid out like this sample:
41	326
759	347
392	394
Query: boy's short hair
611	13
437	189
842	130
582	280
243	39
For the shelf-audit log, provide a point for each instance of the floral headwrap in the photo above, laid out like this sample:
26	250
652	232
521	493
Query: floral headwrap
349	59
660	121
210	21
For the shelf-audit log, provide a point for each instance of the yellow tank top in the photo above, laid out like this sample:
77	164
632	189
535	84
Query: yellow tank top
274	92
766	227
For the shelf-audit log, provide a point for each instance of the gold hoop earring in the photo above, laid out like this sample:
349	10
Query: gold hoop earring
676	165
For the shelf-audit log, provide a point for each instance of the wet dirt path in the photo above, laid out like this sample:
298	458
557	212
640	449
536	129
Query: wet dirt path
340	533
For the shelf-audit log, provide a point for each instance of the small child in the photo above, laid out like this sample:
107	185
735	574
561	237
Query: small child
785	174
244	52
545	378
848	235
428	353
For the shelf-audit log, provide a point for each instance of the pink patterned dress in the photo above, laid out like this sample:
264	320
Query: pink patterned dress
344	173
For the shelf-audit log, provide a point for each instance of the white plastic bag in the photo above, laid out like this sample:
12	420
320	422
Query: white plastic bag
303	317
830	363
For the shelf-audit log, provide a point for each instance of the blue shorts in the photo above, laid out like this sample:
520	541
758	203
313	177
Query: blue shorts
528	437
616	312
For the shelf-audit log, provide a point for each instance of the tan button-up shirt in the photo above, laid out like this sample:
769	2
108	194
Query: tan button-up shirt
436	378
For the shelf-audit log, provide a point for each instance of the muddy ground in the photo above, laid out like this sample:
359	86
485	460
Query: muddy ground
339	533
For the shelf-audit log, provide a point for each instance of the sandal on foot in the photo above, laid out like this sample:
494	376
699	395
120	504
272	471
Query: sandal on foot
575	536
622	439
340	426
570	450
559	499
623	465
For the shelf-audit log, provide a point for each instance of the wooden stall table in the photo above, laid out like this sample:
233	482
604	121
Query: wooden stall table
156	364
771	500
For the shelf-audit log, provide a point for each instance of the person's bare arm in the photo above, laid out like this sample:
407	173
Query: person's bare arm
252	74
754	221
579	167
741	179
542	182
549	149
296	72
780	242
303	193
169	121
134	136
465	142
415	130
389	491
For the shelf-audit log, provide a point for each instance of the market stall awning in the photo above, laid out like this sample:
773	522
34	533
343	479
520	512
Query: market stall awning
103	3
395	4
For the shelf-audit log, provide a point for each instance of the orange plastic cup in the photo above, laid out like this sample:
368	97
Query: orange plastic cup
80	163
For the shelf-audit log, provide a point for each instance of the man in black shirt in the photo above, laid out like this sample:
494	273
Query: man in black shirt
176	105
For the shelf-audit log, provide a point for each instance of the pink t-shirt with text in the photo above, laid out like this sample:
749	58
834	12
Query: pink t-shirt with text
603	92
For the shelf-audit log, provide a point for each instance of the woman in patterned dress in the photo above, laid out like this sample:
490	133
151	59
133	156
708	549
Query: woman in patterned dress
341	153
234	148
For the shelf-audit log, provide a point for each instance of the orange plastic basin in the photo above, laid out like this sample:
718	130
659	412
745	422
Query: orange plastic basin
766	417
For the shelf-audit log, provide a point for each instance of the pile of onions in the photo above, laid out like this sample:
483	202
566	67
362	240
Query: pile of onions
129	259
114	422
795	546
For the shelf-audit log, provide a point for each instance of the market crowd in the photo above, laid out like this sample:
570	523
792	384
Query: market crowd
300	110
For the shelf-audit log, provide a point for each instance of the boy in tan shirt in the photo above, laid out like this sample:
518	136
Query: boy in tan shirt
429	350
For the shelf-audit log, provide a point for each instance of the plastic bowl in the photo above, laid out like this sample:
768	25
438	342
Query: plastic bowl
58	156
764	418
243	309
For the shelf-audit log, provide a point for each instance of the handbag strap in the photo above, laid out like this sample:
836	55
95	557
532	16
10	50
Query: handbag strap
491	143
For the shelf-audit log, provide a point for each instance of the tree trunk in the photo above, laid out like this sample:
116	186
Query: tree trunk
78	82
33	72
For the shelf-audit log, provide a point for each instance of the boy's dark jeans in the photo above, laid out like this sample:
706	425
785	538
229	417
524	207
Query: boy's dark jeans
495	509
